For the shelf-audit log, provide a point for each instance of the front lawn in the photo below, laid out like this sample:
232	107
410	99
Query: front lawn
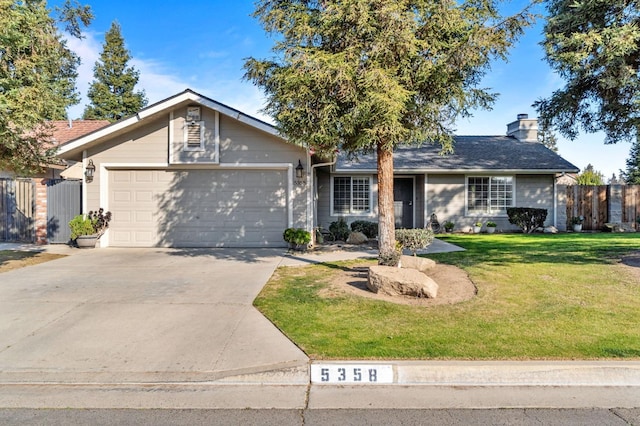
539	297
12	259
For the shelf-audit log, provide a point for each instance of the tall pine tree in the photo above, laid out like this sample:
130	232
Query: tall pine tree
632	174
594	45
37	78
368	76
112	90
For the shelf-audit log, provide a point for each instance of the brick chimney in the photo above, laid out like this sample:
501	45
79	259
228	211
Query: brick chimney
524	129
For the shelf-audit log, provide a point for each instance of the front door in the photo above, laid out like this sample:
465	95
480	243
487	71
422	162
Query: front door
403	201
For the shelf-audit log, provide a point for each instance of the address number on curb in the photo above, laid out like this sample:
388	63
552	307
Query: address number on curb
351	373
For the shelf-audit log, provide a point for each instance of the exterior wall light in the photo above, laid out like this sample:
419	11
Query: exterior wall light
299	170
89	171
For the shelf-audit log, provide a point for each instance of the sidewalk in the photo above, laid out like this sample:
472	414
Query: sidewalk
381	383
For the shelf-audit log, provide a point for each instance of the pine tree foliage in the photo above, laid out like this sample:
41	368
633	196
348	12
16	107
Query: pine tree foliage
594	45
631	174
37	79
112	92
589	176
369	75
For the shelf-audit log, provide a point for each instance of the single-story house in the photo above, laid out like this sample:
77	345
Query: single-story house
482	178
191	172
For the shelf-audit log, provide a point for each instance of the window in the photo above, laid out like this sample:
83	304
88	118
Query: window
351	195
489	194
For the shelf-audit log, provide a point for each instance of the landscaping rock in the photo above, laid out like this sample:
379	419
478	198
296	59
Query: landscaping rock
421	264
357	238
550	230
401	282
619	227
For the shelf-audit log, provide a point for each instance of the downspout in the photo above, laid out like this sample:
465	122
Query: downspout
555	202
312	195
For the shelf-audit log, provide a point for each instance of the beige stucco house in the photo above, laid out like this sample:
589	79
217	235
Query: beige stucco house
191	172
482	178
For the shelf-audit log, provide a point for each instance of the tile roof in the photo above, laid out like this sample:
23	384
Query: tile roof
65	130
471	153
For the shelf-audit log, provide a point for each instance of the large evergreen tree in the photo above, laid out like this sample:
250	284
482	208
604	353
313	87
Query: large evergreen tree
632	173
112	90
590	176
369	75
594	45
37	79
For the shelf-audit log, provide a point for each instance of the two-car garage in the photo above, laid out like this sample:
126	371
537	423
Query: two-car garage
197	208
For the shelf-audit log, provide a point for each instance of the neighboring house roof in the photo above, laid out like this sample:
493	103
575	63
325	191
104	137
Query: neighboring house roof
471	154
65	130
76	146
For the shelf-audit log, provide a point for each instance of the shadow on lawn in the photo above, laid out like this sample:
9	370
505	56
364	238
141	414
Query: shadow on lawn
7	256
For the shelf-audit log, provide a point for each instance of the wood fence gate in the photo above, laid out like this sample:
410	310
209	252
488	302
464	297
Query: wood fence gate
64	202
17	210
604	204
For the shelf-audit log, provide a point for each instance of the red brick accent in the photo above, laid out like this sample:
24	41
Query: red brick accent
41	211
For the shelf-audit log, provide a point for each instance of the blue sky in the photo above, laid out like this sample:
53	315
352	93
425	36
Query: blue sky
202	44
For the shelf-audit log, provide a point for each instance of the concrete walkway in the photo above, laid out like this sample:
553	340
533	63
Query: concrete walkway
160	328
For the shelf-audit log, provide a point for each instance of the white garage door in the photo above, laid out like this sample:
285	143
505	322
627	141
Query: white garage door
197	208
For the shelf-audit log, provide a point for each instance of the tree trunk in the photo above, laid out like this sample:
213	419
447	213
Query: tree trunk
386	217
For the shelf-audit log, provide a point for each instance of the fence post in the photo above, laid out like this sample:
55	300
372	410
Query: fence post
561	208
614	204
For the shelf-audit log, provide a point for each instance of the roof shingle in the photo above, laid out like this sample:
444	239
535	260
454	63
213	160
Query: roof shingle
471	153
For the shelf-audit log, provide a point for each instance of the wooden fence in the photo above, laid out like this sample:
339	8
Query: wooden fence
17	210
604	204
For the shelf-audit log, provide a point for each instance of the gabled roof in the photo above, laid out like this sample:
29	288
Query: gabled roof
74	147
471	154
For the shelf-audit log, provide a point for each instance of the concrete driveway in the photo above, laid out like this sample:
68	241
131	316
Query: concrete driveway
140	316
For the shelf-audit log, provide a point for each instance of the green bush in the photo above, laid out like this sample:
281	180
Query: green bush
94	223
297	236
340	229
527	218
370	229
81	225
414	239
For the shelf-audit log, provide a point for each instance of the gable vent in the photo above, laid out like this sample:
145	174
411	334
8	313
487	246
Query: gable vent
194	133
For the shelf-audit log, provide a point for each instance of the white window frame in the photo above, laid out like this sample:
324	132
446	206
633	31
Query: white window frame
351	210
187	146
489	211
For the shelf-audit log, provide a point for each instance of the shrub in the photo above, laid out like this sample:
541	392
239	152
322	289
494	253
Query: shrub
340	229
370	229
390	258
414	239
448	226
94	223
527	218
297	236
81	225
490	224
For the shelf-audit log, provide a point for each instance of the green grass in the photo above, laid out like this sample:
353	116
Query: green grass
539	297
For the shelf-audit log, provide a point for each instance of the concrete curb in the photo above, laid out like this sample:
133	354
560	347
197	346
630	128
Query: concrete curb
508	373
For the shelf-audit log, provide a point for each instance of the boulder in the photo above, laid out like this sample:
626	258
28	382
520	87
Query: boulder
357	238
394	281
421	264
619	227
550	230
